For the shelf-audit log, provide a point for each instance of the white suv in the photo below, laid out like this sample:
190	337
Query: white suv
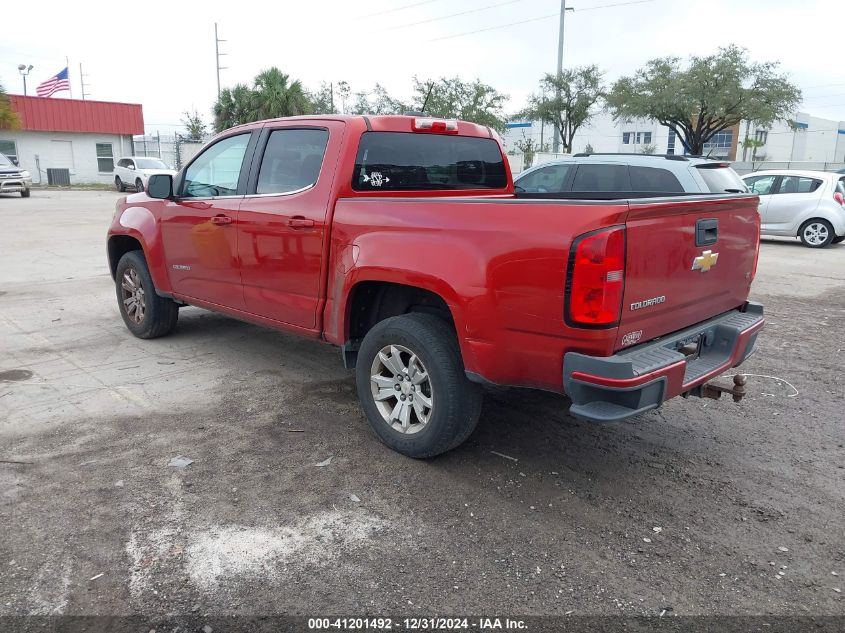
134	171
806	204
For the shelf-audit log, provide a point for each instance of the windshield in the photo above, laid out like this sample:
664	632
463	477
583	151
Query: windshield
720	178
5	162
150	163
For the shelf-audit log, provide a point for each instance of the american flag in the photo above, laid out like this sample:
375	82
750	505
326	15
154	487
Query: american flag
57	82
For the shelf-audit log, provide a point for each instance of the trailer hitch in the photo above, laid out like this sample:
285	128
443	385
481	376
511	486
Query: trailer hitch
714	391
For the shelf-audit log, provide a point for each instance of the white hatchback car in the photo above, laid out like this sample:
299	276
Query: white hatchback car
135	171
809	205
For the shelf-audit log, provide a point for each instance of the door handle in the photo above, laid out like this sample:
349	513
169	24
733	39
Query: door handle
299	222
221	220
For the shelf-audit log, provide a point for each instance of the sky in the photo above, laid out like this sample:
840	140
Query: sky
161	54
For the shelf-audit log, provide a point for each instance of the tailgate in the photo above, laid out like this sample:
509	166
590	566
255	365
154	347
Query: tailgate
687	260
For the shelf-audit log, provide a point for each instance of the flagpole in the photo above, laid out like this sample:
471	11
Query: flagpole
69	82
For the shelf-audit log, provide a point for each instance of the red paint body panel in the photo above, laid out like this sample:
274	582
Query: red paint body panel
661	250
499	263
75	115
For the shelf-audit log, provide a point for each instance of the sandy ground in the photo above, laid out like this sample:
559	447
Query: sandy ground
702	507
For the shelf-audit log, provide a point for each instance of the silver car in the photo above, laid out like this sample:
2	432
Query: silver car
809	205
13	179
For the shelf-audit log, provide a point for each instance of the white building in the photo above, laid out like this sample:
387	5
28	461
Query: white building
808	139
70	140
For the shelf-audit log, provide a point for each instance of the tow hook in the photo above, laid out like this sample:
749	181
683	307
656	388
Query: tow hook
714	391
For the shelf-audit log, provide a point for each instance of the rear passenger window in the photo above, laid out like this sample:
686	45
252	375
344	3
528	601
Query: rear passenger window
292	160
798	184
592	178
654	179
549	179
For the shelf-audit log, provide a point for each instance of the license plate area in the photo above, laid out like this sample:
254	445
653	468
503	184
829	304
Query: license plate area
690	346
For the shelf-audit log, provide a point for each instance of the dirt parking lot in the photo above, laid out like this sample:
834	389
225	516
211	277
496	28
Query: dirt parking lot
702	507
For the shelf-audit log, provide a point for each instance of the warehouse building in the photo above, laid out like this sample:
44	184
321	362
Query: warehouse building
63	141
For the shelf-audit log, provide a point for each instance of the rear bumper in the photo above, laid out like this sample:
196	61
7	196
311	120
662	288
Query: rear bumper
613	388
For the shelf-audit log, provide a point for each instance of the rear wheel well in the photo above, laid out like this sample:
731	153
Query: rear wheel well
371	302
118	246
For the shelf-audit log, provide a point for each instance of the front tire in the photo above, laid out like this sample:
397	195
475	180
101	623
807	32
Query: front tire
145	313
816	233
118	184
838	240
411	383
25	193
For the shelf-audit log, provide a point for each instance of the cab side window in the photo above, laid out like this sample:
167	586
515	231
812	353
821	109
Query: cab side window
761	185
217	170
292	160
600	178
551	179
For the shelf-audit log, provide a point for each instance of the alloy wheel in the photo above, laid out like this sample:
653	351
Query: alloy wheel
815	233
132	293
401	388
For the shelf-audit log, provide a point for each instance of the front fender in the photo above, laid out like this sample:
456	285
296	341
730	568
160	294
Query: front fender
141	224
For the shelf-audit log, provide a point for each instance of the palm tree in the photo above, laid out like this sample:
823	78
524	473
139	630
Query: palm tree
276	96
8	117
233	107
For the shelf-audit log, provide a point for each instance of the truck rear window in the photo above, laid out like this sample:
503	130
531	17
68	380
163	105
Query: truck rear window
400	161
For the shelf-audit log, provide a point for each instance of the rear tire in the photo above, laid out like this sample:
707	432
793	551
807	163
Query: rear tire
139	185
145	313
25	193
838	240
416	355
816	233
118	184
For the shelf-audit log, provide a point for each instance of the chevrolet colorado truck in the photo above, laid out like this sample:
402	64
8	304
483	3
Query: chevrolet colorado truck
401	240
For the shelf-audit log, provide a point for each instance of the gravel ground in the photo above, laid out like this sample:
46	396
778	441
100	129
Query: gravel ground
703	507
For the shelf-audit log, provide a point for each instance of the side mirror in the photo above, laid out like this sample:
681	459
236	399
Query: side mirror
160	186
130	166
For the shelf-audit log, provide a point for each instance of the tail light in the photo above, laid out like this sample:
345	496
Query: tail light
435	126
596	279
839	198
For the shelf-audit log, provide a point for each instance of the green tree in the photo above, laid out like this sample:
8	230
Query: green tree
707	95
648	148
377	101
567	100
529	147
322	100
272	95
233	107
194	125
455	99
275	95
8	117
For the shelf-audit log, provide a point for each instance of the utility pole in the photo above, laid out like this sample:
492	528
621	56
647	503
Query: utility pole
563	10
217	55
82	77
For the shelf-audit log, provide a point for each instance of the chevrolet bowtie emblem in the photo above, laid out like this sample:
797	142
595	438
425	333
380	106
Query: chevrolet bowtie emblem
705	261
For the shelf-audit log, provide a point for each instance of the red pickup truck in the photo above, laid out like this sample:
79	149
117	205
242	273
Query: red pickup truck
401	240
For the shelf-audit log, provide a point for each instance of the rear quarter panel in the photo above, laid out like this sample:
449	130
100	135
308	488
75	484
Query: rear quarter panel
500	265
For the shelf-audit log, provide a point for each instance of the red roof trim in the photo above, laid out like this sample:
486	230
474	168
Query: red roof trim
75	115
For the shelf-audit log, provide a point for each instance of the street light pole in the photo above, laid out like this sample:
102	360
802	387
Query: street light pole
563	10
23	69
